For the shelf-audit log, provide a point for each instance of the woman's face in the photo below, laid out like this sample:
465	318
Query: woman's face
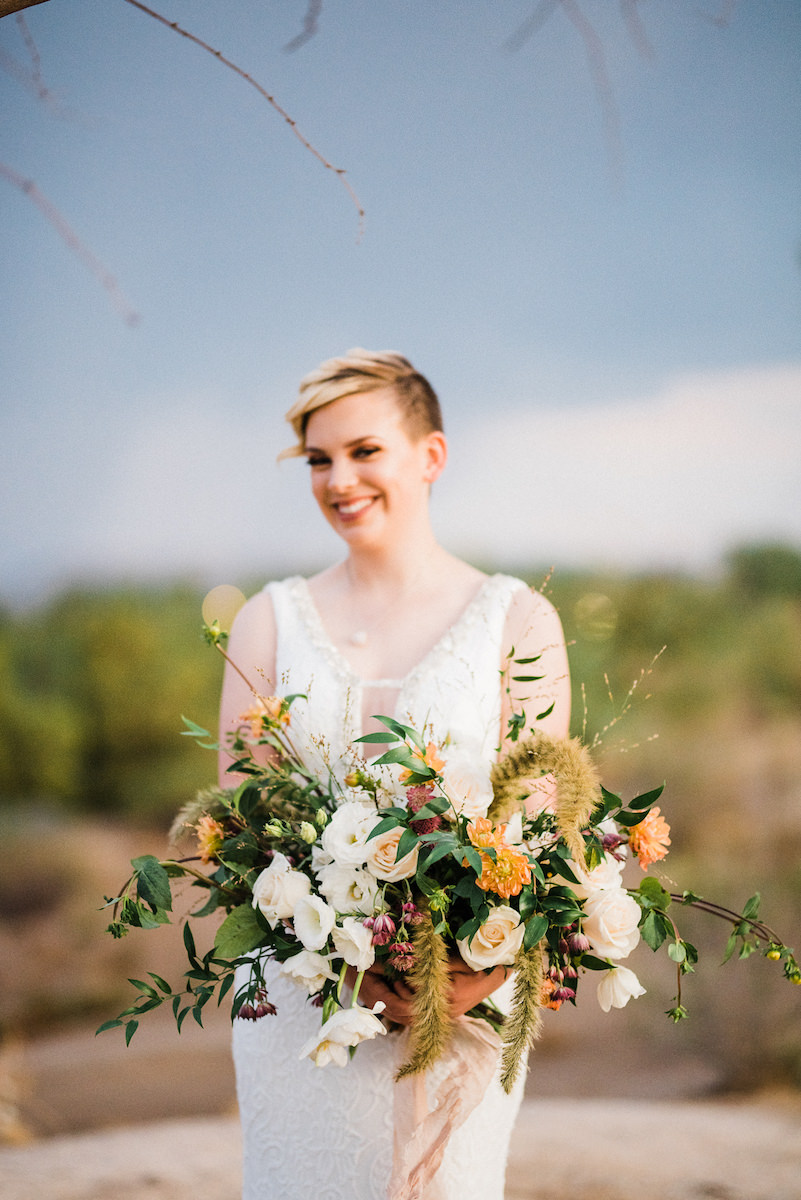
370	479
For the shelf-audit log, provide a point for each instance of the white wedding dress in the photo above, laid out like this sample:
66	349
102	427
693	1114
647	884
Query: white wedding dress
315	1133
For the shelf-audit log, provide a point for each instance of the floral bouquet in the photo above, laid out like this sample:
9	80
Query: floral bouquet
324	878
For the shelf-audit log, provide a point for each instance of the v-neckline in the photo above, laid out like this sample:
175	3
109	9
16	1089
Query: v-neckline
315	621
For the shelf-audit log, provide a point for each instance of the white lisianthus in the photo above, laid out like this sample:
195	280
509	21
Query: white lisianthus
617	986
345	835
349	889
278	889
381	852
347	1027
602	877
313	920
308	970
354	943
466	782
496	942
611	921
319	858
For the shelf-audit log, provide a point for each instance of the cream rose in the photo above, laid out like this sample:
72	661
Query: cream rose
345	835
278	889
313	920
381	853
606	875
611	922
617	987
497	941
347	1027
308	970
354	943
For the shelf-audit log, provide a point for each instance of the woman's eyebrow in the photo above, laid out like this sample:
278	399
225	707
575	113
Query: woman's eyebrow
367	437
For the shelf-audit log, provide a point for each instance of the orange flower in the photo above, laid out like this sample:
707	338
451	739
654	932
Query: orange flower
484	835
650	839
507	873
266	708
210	836
429	758
549	986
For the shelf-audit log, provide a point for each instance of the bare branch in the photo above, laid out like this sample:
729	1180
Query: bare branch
29	189
636	28
310	23
338	171
535	22
36	62
597	63
7	7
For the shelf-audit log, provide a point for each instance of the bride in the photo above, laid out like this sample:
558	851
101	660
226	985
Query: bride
400	626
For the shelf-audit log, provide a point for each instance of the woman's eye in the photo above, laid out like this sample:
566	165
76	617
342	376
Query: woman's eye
365	451
317	460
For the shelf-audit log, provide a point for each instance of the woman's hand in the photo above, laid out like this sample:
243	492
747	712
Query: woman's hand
467	988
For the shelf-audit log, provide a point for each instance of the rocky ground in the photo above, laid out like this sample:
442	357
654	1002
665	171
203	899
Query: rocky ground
562	1150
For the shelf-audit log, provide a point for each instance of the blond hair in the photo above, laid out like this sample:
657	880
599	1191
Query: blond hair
365	371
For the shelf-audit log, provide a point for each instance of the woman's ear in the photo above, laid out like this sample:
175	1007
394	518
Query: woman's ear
436	455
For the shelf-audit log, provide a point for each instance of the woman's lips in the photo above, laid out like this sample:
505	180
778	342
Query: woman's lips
348	509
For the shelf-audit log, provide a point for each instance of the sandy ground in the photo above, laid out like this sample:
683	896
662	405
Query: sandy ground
562	1150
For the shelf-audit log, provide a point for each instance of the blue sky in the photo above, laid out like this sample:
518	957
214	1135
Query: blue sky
612	321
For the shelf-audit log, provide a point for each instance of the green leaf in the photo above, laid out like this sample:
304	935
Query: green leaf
181	1016
189	943
473	857
147	988
115	1024
152	882
751	910
546	712
677	952
527	678
652	892
654	928
391	821
646	799
130	1030
594	964
240	932
403	755
407	843
401	730
629	819
162	983
380	736
525	662
536	928
440	850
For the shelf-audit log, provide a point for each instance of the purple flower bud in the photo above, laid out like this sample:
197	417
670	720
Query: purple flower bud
579	943
563	993
247	1013
571	972
383	929
265	1009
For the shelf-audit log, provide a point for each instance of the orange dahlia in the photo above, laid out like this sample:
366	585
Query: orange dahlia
650	839
509	870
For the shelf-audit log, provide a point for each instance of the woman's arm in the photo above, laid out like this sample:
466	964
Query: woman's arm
251	646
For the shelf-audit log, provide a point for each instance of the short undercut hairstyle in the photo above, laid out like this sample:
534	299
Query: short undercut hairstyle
365	371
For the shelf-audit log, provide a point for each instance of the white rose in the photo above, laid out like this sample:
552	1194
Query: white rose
313	920
347	1027
308	970
381	852
354	943
465	778
349	889
617	987
611	919
278	889
345	835
606	875
497	940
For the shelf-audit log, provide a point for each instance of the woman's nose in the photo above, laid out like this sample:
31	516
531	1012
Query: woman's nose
342	474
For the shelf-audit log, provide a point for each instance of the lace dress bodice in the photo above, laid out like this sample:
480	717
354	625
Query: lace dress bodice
326	1133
